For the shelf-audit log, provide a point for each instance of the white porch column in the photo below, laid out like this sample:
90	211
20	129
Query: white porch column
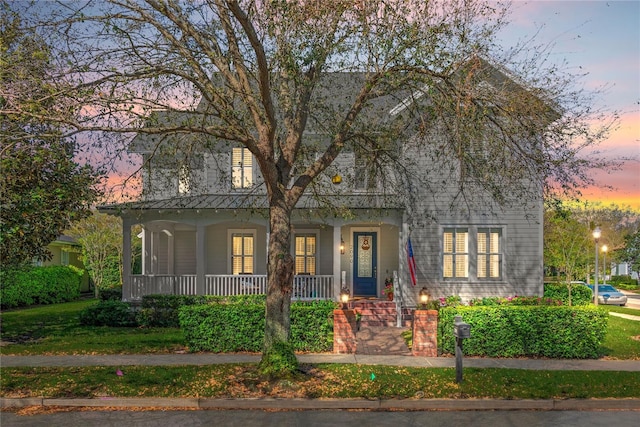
200	258
171	257
337	261
126	259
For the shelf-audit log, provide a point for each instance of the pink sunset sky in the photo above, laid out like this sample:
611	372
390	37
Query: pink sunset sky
601	38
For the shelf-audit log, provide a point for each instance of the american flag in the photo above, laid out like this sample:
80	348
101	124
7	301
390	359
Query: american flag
412	262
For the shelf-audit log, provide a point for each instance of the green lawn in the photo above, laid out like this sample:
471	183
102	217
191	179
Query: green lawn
55	329
314	381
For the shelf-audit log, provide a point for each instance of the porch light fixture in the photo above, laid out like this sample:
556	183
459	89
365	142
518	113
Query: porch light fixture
596	236
336	179
424	297
341	246
344	297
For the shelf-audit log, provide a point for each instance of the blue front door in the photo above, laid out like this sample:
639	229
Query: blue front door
365	264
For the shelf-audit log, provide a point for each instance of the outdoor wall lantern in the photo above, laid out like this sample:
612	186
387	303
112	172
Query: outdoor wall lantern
596	236
336	179
344	297
424	297
341	246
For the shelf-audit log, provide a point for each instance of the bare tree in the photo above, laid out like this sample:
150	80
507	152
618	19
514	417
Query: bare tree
266	74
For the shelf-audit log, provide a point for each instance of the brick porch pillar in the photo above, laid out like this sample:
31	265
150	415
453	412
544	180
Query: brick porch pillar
344	331
425	333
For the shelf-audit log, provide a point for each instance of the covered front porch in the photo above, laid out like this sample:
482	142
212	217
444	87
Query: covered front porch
224	252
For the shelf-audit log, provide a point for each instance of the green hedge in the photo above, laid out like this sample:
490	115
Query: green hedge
109	313
233	327
110	294
39	285
531	331
162	310
624	282
580	294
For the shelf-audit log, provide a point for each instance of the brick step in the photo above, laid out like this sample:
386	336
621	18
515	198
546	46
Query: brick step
386	323
379	311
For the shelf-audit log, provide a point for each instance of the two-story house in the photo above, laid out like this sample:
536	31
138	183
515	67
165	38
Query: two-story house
203	213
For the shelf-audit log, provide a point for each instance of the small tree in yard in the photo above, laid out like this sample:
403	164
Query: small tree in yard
567	244
101	238
263	74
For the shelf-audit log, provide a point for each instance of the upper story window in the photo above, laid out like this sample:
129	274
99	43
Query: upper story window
241	168
455	252
489	253
242	252
364	174
184	180
305	253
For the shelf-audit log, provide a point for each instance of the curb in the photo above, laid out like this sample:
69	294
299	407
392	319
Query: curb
292	404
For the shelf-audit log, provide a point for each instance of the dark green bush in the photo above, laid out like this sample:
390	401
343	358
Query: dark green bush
111	294
580	294
489	301
232	327
531	331
39	285
108	313
162	310
624	282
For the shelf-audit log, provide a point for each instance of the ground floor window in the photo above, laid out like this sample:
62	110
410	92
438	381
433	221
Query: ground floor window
489	254
305	253
483	262
242	252
455	253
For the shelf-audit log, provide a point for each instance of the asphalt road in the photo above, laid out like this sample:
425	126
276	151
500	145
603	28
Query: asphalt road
633	300
325	418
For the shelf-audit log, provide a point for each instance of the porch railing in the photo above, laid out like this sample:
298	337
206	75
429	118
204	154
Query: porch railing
304	287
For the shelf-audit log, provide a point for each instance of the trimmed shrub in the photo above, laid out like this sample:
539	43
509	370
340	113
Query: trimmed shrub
312	326
239	326
490	301
39	285
108	313
162	310
111	294
580	294
624	282
518	331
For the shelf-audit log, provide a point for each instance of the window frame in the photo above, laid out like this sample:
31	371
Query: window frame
231	233
306	233
474	256
365	178
490	254
456	254
244	170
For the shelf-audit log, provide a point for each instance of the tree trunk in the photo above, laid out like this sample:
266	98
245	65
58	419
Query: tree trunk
278	358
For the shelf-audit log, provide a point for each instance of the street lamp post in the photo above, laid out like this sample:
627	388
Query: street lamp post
596	236
604	264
